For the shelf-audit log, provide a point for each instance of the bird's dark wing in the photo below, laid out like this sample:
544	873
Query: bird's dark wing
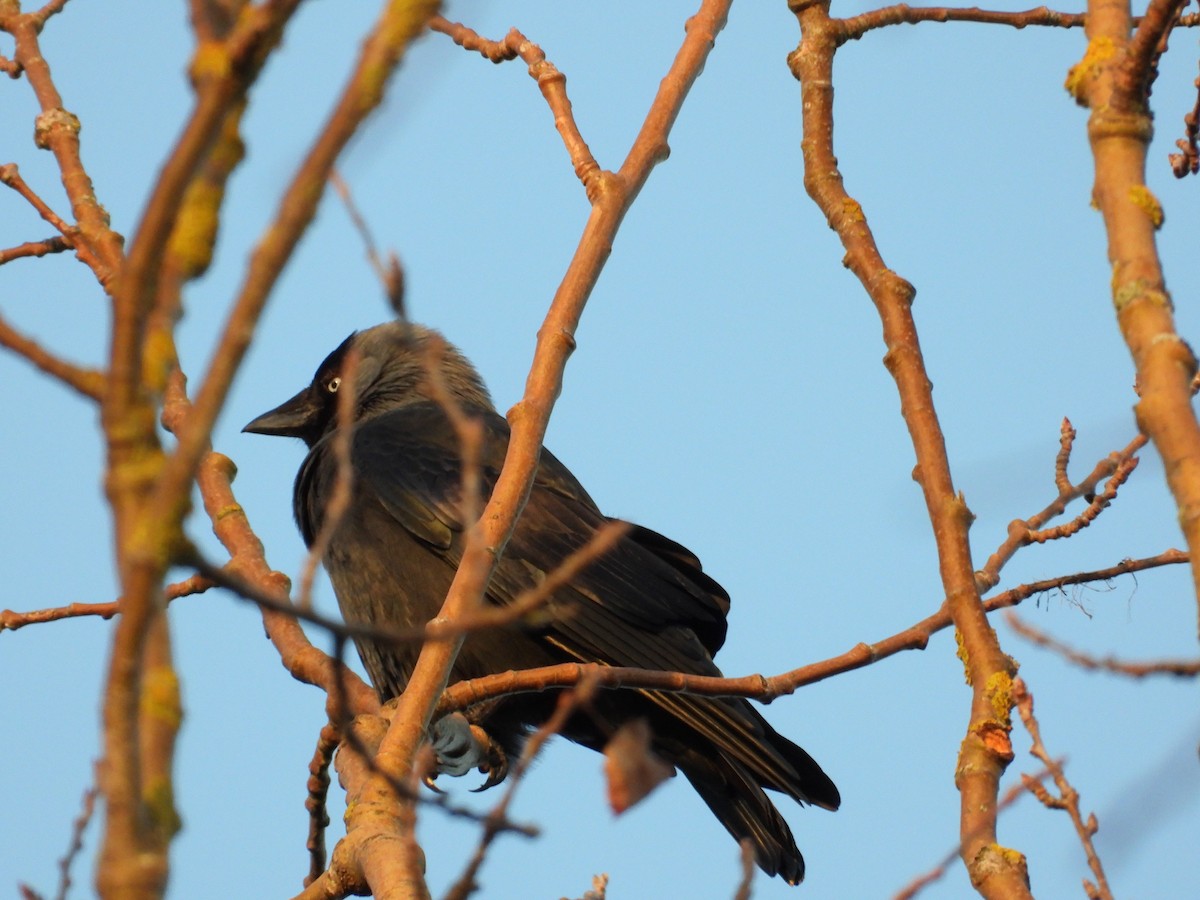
408	460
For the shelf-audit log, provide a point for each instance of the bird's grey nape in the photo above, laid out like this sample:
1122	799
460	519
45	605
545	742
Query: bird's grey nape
397	359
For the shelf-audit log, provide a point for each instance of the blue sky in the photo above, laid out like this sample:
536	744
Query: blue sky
727	391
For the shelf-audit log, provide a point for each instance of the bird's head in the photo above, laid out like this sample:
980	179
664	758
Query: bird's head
387	367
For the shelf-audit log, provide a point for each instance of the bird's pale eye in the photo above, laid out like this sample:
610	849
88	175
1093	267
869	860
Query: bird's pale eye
334	384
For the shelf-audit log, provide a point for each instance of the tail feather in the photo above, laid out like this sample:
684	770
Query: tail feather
733	778
742	806
811	785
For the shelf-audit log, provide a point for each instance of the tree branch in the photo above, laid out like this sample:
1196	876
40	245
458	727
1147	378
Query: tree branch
1068	798
1113	80
88	382
767	688
986	750
1179	668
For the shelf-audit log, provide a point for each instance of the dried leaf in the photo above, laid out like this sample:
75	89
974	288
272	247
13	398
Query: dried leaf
631	767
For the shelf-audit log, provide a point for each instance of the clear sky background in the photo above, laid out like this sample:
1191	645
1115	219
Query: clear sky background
728	391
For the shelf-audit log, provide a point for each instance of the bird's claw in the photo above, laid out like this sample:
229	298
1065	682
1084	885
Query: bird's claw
461	746
430	781
496	763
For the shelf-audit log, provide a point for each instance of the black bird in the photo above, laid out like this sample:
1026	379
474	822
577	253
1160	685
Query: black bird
645	604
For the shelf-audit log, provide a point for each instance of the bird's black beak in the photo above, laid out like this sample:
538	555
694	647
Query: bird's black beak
292	418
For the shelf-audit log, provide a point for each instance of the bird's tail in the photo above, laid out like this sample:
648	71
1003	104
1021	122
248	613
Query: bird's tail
734	791
747	813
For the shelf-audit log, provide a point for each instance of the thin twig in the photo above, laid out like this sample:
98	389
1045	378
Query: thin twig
52	8
77	829
318	791
88	382
1180	668
526	603
551	82
1113	469
11	621
1188	160
1068	798
56	244
391	275
10	176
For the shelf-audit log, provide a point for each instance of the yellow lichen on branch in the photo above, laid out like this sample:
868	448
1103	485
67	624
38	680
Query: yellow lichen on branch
1113	80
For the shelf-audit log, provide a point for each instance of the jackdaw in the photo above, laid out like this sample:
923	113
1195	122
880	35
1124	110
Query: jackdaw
646	603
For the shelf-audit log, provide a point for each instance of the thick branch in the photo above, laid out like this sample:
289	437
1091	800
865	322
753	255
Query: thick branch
133	857
1113	80
986	750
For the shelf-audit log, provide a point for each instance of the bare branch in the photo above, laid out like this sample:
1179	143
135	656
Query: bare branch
1113	79
318	790
986	749
88	382
1180	668
767	688
381	53
148	499
1068	798
1149	40
551	82
248	568
1188	160
1114	469
11	621
40	248
391	276
78	827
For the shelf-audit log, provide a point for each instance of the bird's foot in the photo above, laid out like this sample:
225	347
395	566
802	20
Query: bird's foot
461	747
